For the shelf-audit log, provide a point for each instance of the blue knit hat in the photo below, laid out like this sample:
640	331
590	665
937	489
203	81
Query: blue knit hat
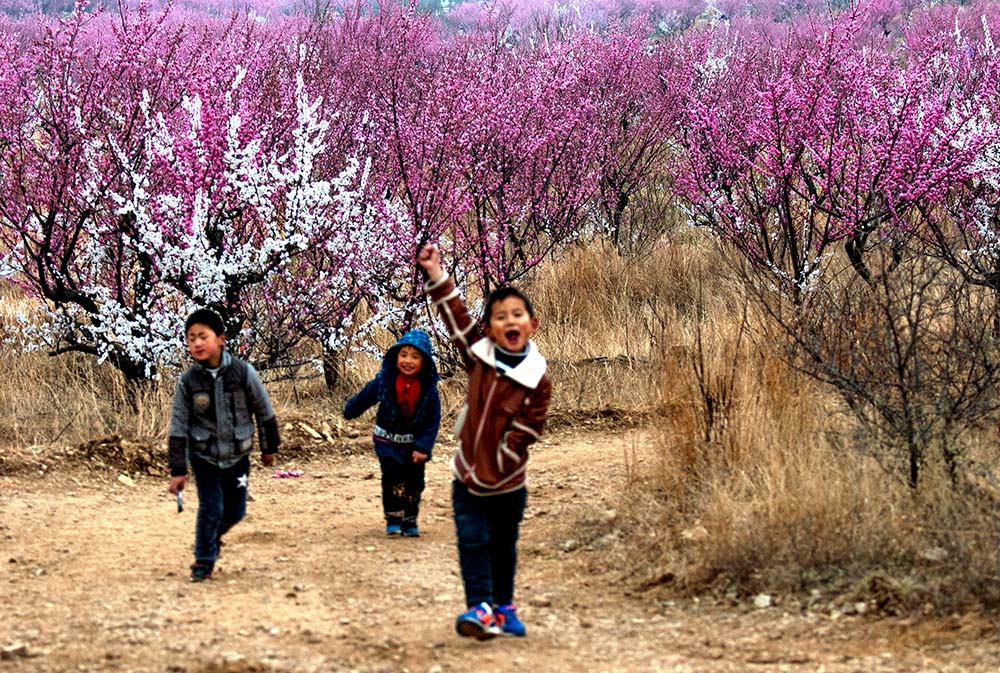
418	339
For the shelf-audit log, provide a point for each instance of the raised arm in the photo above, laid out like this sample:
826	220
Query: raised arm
440	288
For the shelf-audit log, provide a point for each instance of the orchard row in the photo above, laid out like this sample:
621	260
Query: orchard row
285	171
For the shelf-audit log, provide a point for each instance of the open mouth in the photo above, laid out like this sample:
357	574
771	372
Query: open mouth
512	336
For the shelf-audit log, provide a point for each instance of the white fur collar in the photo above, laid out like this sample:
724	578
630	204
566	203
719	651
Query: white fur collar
528	373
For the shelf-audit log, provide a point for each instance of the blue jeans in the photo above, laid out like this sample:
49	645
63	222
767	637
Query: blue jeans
222	503
487	529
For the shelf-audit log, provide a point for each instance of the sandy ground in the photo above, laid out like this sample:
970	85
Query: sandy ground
94	578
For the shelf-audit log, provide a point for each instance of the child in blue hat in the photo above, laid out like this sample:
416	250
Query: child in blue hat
406	426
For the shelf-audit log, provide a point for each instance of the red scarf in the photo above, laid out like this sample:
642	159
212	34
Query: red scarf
407	394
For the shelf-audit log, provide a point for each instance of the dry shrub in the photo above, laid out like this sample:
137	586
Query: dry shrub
758	486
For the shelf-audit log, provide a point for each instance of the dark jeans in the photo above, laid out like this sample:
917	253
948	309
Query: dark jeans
402	484
487	528
222	503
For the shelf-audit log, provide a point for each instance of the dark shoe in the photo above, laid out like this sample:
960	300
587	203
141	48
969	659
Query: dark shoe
393	529
411	531
201	572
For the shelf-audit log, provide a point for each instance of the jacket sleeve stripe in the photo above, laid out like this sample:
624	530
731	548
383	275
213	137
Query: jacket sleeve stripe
448	297
504	450
524	428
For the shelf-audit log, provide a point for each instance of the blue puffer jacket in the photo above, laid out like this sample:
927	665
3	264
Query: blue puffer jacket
392	428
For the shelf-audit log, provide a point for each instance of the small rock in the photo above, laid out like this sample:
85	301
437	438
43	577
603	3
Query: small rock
16	651
232	657
540	601
761	601
695	534
570	545
125	479
345	620
934	554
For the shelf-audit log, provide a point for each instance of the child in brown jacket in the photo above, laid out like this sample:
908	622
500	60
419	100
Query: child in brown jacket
504	413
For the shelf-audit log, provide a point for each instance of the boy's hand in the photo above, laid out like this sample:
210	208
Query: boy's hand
429	259
177	484
419	457
267	459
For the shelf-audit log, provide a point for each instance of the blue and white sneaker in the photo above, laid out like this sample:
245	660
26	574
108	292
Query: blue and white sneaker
393	529
477	622
411	531
506	618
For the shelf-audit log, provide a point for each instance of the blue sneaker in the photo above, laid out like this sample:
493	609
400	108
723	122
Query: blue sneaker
411	531
506	618
477	622
393	529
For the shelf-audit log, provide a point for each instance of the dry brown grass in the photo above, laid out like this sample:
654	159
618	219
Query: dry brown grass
606	321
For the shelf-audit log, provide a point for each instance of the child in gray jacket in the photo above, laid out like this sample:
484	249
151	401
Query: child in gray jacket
215	404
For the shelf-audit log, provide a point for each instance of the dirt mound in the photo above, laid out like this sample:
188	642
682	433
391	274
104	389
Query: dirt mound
311	436
597	418
124	455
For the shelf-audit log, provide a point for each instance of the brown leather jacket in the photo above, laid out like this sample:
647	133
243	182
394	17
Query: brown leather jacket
503	414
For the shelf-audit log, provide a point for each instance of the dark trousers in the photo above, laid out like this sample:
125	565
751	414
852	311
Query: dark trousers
222	503
402	485
487	529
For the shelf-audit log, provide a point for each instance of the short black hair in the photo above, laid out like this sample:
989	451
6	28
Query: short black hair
207	317
501	293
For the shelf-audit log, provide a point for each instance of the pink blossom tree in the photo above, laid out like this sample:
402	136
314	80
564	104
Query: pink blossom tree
530	167
155	166
841	140
961	225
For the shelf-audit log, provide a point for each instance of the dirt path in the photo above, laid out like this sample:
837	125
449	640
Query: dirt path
94	578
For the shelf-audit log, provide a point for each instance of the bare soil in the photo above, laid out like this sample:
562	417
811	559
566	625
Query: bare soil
95	578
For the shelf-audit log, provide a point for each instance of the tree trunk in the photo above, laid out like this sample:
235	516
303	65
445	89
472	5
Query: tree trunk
331	368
